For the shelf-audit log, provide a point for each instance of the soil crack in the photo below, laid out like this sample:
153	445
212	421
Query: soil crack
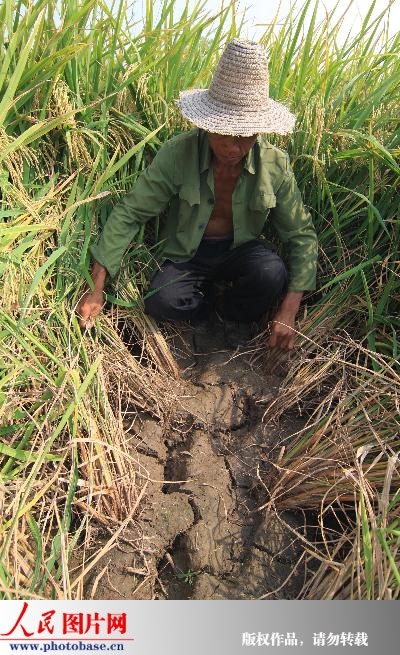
208	540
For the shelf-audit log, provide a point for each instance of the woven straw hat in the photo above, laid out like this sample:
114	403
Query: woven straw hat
237	101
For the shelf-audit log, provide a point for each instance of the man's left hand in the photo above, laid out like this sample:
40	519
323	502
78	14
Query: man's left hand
282	333
282	328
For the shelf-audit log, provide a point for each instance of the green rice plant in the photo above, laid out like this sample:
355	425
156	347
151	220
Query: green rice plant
343	376
82	109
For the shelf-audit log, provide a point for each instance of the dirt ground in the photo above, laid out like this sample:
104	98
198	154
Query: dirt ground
200	533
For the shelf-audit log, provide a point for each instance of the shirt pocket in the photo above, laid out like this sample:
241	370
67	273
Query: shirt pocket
260	205
187	206
189	194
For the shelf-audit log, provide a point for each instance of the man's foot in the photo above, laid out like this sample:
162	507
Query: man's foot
202	331
238	334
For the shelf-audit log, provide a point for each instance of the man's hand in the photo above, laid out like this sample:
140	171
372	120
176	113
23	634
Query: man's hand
91	304
282	333
282	329
89	308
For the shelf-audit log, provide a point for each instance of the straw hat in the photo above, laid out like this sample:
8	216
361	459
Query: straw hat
237	101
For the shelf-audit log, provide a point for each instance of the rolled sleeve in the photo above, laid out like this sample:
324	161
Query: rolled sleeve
148	198
295	228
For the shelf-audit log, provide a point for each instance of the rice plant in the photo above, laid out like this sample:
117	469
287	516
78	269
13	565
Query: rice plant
82	107
86	98
344	378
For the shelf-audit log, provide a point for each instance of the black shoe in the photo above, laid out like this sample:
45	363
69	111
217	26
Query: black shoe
238	334
202	331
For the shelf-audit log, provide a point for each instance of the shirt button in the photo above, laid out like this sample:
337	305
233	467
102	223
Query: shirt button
201	226
210	201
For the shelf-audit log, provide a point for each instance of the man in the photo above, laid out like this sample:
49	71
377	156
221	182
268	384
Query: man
220	183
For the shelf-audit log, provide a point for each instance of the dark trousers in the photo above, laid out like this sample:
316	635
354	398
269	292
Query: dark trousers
254	275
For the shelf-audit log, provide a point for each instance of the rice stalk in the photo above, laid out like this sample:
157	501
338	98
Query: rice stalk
86	101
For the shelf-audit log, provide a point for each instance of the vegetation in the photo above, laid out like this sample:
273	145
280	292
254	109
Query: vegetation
86	97
345	379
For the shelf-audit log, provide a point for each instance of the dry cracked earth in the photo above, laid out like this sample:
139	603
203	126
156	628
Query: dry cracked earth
201	530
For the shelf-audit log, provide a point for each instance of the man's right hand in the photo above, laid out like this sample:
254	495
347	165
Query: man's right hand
91	303
89	307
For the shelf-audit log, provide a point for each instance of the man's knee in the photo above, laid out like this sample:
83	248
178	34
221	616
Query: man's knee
162	294
173	302
271	273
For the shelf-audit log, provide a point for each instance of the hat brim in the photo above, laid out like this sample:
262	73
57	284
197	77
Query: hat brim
200	108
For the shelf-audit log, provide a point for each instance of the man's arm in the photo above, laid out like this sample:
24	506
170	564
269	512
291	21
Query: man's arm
295	228
150	195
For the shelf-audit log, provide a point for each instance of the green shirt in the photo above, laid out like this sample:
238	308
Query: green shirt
180	180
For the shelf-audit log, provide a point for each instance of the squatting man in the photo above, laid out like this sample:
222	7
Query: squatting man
219	185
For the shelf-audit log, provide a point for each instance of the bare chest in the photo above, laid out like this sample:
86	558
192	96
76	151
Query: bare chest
224	185
221	222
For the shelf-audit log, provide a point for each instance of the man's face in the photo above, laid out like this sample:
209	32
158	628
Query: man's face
230	149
